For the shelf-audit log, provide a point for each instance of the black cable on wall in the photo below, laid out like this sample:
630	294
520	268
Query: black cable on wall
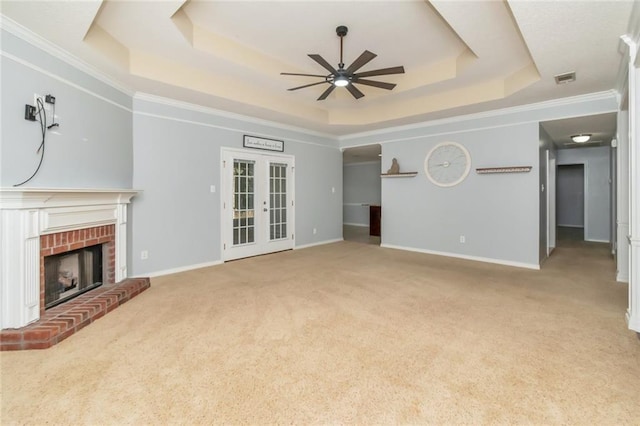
42	118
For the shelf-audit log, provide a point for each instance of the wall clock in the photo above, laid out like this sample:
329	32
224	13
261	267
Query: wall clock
447	164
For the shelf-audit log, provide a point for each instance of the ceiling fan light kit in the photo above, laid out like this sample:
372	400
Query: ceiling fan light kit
340	81
348	77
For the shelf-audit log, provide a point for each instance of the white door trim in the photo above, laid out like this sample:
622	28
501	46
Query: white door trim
225	196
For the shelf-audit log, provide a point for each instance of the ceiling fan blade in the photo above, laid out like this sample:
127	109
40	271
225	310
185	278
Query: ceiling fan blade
304	75
308	85
361	61
326	93
326	65
379	84
382	71
354	91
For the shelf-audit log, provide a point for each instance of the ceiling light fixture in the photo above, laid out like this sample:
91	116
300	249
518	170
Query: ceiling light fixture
340	81
582	138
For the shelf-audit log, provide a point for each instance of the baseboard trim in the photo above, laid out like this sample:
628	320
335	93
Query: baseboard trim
465	257
180	269
320	243
632	323
622	278
364	225
592	240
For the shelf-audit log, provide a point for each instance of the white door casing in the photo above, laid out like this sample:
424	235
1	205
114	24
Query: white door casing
551	202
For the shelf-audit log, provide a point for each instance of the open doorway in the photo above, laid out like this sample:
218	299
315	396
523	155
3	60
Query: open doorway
362	194
570	207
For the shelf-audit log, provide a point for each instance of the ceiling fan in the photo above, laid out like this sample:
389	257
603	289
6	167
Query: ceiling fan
346	78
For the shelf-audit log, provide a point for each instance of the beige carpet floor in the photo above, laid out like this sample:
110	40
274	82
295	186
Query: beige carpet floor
347	333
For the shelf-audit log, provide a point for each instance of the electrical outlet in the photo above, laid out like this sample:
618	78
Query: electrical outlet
144	255
212	188
315	231
50	99
30	112
463	239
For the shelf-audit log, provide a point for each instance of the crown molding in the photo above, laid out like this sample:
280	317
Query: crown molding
57	52
605	95
62	80
226	114
622	77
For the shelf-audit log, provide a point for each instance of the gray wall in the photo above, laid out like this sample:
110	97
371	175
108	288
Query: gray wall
597	188
362	185
177	153
92	147
500	215
497	214
570	186
176	160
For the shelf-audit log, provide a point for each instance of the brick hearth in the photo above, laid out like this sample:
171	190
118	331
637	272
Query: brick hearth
63	320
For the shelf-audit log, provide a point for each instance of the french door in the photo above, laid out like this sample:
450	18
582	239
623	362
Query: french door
257	204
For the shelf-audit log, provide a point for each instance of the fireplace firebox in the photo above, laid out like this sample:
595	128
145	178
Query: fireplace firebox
72	273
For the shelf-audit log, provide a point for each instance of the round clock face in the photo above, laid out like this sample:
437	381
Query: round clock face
447	164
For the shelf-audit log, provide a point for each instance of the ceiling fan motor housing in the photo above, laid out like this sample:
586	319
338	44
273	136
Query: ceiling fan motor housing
342	31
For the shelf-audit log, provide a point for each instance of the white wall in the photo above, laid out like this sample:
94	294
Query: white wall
92	147
176	160
362	187
597	188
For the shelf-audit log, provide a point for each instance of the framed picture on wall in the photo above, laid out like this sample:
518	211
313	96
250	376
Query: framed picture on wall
266	144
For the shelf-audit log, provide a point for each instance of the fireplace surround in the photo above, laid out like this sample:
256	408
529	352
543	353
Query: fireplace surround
39	222
74	262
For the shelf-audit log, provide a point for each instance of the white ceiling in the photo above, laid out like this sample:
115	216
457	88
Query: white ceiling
458	56
601	127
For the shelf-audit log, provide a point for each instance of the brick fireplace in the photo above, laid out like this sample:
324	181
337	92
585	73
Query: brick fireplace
36	223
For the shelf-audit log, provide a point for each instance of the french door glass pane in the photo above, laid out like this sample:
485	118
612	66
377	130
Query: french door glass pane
278	198
243	202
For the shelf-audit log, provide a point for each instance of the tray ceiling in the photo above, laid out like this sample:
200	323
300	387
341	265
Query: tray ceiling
469	56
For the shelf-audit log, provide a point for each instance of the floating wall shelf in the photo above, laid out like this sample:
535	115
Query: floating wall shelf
397	175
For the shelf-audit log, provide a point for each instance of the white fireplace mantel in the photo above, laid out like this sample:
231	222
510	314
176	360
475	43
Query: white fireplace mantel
28	213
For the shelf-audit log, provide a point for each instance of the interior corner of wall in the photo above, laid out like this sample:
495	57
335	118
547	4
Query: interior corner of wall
183	23
464	60
520	79
107	45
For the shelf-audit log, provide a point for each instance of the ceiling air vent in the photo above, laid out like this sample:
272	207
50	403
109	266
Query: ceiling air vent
567	77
